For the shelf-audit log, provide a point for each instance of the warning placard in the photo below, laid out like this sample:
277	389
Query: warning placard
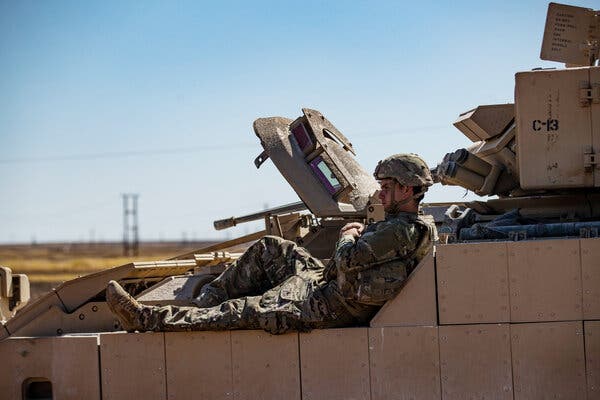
567	34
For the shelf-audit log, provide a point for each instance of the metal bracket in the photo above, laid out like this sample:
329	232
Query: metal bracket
516	236
448	238
262	157
14	293
455	219
5	282
375	210
589	159
588	233
589	95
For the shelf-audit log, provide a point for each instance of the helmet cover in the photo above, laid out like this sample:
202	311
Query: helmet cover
408	169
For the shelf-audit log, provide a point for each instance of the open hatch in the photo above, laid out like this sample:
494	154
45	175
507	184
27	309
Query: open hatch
318	162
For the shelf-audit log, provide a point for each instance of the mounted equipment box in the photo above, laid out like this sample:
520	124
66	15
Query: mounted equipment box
558	128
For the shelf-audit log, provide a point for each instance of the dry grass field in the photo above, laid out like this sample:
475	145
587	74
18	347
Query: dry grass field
48	265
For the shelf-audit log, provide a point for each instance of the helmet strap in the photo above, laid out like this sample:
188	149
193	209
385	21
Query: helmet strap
396	204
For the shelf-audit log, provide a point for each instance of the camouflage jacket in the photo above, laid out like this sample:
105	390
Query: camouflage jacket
372	268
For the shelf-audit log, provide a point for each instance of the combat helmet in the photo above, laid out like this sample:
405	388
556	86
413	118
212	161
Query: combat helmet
408	169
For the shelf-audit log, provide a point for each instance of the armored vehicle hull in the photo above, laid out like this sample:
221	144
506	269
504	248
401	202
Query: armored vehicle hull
505	306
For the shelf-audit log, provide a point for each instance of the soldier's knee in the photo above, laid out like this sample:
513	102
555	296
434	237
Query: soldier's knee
210	296
279	243
267	241
273	240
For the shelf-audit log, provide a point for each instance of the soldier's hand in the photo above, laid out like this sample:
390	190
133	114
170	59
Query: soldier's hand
352	229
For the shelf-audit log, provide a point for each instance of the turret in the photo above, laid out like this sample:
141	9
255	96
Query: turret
537	155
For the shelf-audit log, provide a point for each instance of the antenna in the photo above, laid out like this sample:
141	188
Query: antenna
131	240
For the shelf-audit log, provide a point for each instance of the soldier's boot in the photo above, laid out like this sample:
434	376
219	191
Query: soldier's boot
129	311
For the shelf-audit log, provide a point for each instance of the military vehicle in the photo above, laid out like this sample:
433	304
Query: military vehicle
506	306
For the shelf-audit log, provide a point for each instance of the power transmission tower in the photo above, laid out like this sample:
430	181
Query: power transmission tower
131	242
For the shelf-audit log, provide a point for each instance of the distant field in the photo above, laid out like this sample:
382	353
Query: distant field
48	265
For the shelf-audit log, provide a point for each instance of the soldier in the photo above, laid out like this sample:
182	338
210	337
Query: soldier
277	286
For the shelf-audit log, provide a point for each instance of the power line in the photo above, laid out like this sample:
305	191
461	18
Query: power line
120	154
401	131
194	149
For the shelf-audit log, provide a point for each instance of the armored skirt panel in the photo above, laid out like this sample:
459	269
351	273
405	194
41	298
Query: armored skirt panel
517	320
520	317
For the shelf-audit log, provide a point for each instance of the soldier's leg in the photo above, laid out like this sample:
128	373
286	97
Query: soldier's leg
295	305
265	264
241	313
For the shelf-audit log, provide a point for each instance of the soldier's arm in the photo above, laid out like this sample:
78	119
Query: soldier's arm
388	241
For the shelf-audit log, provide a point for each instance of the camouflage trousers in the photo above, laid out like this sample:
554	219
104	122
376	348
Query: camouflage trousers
275	285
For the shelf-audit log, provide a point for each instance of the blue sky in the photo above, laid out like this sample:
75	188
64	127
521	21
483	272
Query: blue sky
158	98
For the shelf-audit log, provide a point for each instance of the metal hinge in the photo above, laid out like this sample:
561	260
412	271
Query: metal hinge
589	160
589	95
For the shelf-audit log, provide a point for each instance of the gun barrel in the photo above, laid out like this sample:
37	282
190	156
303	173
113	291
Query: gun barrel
233	221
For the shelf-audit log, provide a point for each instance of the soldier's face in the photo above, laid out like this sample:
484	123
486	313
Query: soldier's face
392	192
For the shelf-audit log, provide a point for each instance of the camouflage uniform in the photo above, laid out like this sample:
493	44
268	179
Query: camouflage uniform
277	286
